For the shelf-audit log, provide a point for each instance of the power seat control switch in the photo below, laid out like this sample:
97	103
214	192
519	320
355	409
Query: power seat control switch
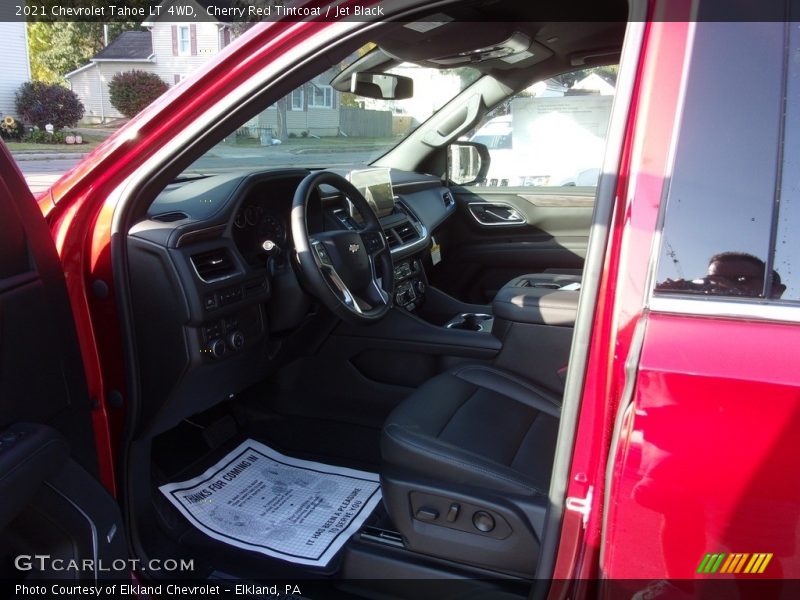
452	512
427	514
483	521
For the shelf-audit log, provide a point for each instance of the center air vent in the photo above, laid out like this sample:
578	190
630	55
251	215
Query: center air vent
213	265
401	235
406	232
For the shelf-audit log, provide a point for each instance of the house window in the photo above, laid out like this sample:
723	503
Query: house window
184	40
321	96
226	37
297	99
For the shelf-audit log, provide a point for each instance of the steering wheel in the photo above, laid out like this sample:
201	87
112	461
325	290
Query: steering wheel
351	272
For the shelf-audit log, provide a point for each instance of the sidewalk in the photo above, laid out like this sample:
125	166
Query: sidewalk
28	155
58	152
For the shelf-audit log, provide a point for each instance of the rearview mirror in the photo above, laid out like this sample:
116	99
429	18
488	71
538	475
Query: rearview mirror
381	86
467	163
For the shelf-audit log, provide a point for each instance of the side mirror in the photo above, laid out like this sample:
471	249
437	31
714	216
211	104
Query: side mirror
467	163
381	86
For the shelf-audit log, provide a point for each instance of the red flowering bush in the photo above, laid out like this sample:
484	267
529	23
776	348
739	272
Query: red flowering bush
130	92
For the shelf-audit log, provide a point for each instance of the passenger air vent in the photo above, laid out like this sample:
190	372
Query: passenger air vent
448	200
214	265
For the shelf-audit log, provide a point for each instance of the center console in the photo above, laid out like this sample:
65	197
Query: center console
534	318
409	283
471	322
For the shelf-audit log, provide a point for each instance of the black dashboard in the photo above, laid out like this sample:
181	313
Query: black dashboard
214	289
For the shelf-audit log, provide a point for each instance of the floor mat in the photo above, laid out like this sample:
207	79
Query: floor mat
258	499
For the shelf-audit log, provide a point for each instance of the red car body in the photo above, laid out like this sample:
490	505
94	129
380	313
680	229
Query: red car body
706	449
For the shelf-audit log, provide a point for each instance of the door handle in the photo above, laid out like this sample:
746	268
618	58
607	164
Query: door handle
495	214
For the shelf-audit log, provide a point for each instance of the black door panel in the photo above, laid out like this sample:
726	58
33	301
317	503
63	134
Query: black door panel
501	233
48	462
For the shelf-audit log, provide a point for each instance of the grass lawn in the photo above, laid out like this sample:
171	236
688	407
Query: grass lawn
90	142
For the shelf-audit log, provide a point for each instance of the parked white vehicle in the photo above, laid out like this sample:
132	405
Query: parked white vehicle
547	141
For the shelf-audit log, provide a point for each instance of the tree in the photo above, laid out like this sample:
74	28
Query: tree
55	49
281	128
132	91
42	103
569	79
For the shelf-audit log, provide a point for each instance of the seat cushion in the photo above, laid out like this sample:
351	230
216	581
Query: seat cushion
475	426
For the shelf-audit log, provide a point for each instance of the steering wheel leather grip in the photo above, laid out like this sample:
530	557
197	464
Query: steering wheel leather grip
350	272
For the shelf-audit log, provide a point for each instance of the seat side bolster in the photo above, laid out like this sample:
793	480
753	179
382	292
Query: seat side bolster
408	450
509	385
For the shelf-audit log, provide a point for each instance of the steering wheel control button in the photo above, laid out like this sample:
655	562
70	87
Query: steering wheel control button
322	253
483	521
427	514
372	242
452	512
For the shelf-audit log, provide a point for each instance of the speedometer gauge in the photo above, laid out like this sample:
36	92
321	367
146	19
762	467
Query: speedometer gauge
271	228
240	220
252	214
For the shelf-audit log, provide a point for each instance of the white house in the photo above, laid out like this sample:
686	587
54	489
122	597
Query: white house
16	67
171	50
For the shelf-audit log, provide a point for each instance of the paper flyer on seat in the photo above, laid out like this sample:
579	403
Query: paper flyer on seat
258	499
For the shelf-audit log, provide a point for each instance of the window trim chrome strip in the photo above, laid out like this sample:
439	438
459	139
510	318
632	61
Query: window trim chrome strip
763	310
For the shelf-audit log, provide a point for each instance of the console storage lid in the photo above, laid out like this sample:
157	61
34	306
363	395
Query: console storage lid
546	299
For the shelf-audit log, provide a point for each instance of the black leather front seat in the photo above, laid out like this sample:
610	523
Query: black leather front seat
466	467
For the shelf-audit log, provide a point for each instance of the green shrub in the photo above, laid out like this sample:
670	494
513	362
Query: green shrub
132	91
41	103
37	136
11	129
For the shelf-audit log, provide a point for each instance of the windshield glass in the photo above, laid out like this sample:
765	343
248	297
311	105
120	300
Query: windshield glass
318	126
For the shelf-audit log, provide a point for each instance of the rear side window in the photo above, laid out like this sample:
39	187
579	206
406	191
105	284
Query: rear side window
732	204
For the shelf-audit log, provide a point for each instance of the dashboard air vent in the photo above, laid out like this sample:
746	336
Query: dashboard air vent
402	234
170	217
406	232
213	265
448	200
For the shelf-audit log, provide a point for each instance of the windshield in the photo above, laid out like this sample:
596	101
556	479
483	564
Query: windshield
318	126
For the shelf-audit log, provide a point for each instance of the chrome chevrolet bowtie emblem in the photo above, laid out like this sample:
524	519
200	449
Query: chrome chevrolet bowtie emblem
353	248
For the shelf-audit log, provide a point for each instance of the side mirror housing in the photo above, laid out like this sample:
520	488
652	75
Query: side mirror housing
467	163
381	86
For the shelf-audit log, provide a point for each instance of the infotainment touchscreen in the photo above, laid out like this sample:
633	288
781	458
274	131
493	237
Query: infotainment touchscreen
376	186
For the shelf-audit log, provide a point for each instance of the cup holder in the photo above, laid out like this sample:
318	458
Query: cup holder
471	322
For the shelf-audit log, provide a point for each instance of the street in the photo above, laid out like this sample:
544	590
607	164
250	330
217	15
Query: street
42	173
